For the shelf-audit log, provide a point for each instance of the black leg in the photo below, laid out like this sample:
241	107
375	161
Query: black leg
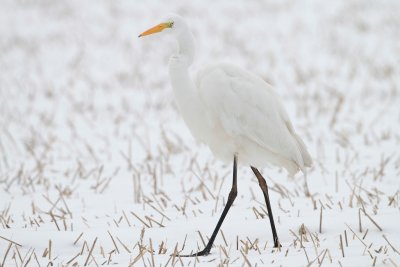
231	198
264	188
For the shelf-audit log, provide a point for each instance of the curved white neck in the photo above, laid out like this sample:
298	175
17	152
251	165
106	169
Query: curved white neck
184	88
186	46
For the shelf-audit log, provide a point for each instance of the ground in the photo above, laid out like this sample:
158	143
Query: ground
98	168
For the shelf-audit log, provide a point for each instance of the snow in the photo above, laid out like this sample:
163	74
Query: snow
97	166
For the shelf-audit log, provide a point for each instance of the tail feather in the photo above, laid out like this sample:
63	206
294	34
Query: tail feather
305	160
303	150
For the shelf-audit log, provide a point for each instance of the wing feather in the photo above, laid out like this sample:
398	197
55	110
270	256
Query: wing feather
249	109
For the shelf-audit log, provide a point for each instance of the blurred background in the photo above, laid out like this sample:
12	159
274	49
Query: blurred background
72	72
87	113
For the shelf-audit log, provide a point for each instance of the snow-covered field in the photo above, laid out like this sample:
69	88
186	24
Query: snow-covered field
98	168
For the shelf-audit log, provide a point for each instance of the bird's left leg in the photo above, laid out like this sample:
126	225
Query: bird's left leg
231	198
264	188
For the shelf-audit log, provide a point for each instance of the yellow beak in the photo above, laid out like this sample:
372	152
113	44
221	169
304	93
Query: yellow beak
155	29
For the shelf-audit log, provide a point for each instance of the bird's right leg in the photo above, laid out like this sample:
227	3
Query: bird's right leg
231	198
264	188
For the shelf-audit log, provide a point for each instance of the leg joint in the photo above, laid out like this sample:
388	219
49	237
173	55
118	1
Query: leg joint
233	193
262	183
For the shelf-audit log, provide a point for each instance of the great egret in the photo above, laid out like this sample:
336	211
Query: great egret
236	113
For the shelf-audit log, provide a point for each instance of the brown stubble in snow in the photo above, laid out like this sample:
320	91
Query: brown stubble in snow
96	166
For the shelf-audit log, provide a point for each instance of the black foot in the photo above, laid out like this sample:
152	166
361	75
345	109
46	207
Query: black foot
204	252
277	244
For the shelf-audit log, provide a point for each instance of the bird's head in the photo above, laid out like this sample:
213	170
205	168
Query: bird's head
173	24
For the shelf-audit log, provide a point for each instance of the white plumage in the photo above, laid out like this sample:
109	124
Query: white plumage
235	113
245	116
231	110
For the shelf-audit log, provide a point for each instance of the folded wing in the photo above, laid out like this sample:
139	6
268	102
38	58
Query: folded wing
247	108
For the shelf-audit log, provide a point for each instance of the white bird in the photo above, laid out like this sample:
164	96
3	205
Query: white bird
236	113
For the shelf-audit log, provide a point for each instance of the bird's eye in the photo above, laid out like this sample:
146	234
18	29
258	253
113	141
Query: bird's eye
171	24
